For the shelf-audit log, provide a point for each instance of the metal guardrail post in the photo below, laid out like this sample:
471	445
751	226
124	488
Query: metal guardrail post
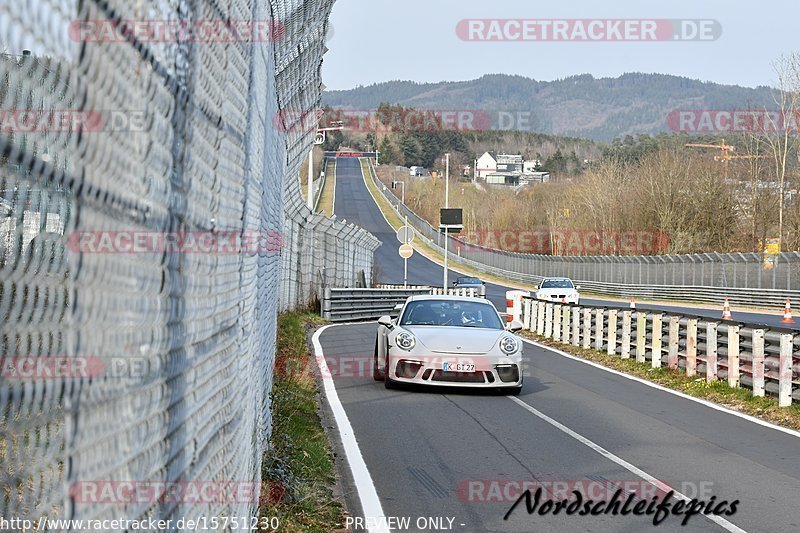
758	362
548	321
565	329
641	336
733	356
326	304
711	351
674	342
612	332
587	329
598	329
576	326
785	371
658	333
526	313
557	322
626	334
540	318
691	347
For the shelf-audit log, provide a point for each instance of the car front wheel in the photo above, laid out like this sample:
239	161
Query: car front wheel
377	374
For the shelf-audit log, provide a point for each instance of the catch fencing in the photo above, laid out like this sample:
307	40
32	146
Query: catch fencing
744	278
764	360
148	365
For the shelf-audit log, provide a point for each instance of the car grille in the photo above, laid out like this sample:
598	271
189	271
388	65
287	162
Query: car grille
459	377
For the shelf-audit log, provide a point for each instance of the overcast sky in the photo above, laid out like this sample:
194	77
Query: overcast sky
381	40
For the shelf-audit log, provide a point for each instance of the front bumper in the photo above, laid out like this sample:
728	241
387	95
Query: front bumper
456	370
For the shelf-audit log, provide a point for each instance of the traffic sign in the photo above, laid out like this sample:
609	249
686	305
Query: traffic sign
406	251
405	235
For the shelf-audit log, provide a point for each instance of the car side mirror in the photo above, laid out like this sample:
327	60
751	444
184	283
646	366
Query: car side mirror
535	287
515	326
386	321
577	287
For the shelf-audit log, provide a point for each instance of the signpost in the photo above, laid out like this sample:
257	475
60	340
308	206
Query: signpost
405	235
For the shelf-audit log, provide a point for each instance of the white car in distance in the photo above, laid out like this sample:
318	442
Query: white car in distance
558	290
450	341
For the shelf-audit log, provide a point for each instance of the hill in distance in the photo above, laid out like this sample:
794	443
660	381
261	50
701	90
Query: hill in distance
579	106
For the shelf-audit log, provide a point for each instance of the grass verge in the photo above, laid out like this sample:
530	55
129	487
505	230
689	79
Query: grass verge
299	468
327	196
719	392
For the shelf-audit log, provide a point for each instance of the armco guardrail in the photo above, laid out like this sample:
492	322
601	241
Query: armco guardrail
705	278
346	305
758	358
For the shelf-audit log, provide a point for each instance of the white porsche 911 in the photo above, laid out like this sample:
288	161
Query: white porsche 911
449	341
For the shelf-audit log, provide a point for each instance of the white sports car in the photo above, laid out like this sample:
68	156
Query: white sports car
449	341
558	290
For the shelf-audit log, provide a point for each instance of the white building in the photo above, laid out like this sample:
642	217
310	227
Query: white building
486	164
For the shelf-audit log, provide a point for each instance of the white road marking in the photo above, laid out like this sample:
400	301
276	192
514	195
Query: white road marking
623	463
712	405
370	503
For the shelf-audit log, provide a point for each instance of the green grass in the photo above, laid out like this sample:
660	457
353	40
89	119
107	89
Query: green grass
326	199
719	392
299	466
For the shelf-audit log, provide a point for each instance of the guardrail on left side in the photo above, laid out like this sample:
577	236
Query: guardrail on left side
350	305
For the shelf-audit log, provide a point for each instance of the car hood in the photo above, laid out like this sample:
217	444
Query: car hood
448	339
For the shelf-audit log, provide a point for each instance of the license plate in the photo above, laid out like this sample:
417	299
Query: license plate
458	367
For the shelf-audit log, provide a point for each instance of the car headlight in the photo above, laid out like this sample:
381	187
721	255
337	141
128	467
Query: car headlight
405	340
509	345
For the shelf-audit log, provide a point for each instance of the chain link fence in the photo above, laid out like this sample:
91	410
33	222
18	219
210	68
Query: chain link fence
151	228
747	278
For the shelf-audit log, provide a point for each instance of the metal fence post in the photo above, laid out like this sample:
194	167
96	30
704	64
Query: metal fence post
655	361
626	334
576	326
691	347
587	329
612	332
785	371
758	362
326	304
641	336
711	351
565	325
598	329
674	341
557	322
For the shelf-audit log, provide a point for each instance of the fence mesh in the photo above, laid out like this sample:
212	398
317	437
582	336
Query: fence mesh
127	354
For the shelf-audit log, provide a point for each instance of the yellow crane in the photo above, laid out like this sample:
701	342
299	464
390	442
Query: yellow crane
727	153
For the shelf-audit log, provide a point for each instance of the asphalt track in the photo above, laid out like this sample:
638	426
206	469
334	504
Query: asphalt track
461	455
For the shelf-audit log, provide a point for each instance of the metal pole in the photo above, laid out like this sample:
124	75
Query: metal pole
405	262
446	205
311	179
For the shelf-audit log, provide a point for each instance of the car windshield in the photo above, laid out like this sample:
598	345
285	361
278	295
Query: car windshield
451	313
468	281
557	284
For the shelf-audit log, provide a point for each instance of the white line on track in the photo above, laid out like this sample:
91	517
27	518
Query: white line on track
712	405
623	463
370	503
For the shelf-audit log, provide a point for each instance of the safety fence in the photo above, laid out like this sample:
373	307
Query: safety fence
761	359
746	279
151	228
350	305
